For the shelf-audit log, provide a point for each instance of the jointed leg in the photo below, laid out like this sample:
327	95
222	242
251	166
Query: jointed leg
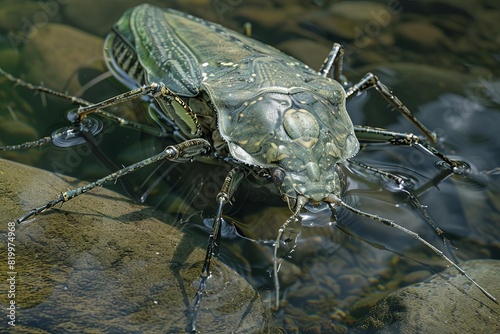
373	135
231	183
75	100
334	60
29	144
301	201
369	81
410	193
157	90
185	151
276	261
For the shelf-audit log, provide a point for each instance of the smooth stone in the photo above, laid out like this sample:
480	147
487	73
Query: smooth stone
449	305
18	16
98	16
400	77
57	46
269	19
322	23
10	128
356	21
465	8
123	265
359	12
306	51
420	35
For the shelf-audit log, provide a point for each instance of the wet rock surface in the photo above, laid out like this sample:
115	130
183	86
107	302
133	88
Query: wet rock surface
449	305
62	47
103	263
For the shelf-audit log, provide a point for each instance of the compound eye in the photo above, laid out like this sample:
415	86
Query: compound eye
278	175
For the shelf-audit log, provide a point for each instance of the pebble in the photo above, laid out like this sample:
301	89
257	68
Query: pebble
97	16
420	35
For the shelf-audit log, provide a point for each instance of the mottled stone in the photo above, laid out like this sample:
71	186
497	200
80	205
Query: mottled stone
401	77
360	12
56	52
420	35
18	17
123	265
450	305
360	21
97	16
10	128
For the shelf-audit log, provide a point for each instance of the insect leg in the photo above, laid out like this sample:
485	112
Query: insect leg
371	135
84	111
75	100
334	59
402	182
369	81
28	144
185	151
375	135
231	183
277	262
412	195
177	110
335	201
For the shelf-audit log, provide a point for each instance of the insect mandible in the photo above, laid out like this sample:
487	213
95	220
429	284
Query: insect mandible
246	104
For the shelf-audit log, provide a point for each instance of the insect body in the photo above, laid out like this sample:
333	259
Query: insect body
259	106
247	104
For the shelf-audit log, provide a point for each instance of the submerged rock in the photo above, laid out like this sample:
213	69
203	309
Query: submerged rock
61	51
450	305
101	263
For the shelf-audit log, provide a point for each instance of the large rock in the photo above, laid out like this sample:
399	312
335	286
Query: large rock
57	52
103	13
453	305
101	263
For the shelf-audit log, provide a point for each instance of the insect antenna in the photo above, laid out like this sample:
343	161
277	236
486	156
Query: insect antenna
334	200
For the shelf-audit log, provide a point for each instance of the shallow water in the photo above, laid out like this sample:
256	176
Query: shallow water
449	79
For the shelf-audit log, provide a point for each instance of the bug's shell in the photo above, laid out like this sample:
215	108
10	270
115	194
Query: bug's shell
272	110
